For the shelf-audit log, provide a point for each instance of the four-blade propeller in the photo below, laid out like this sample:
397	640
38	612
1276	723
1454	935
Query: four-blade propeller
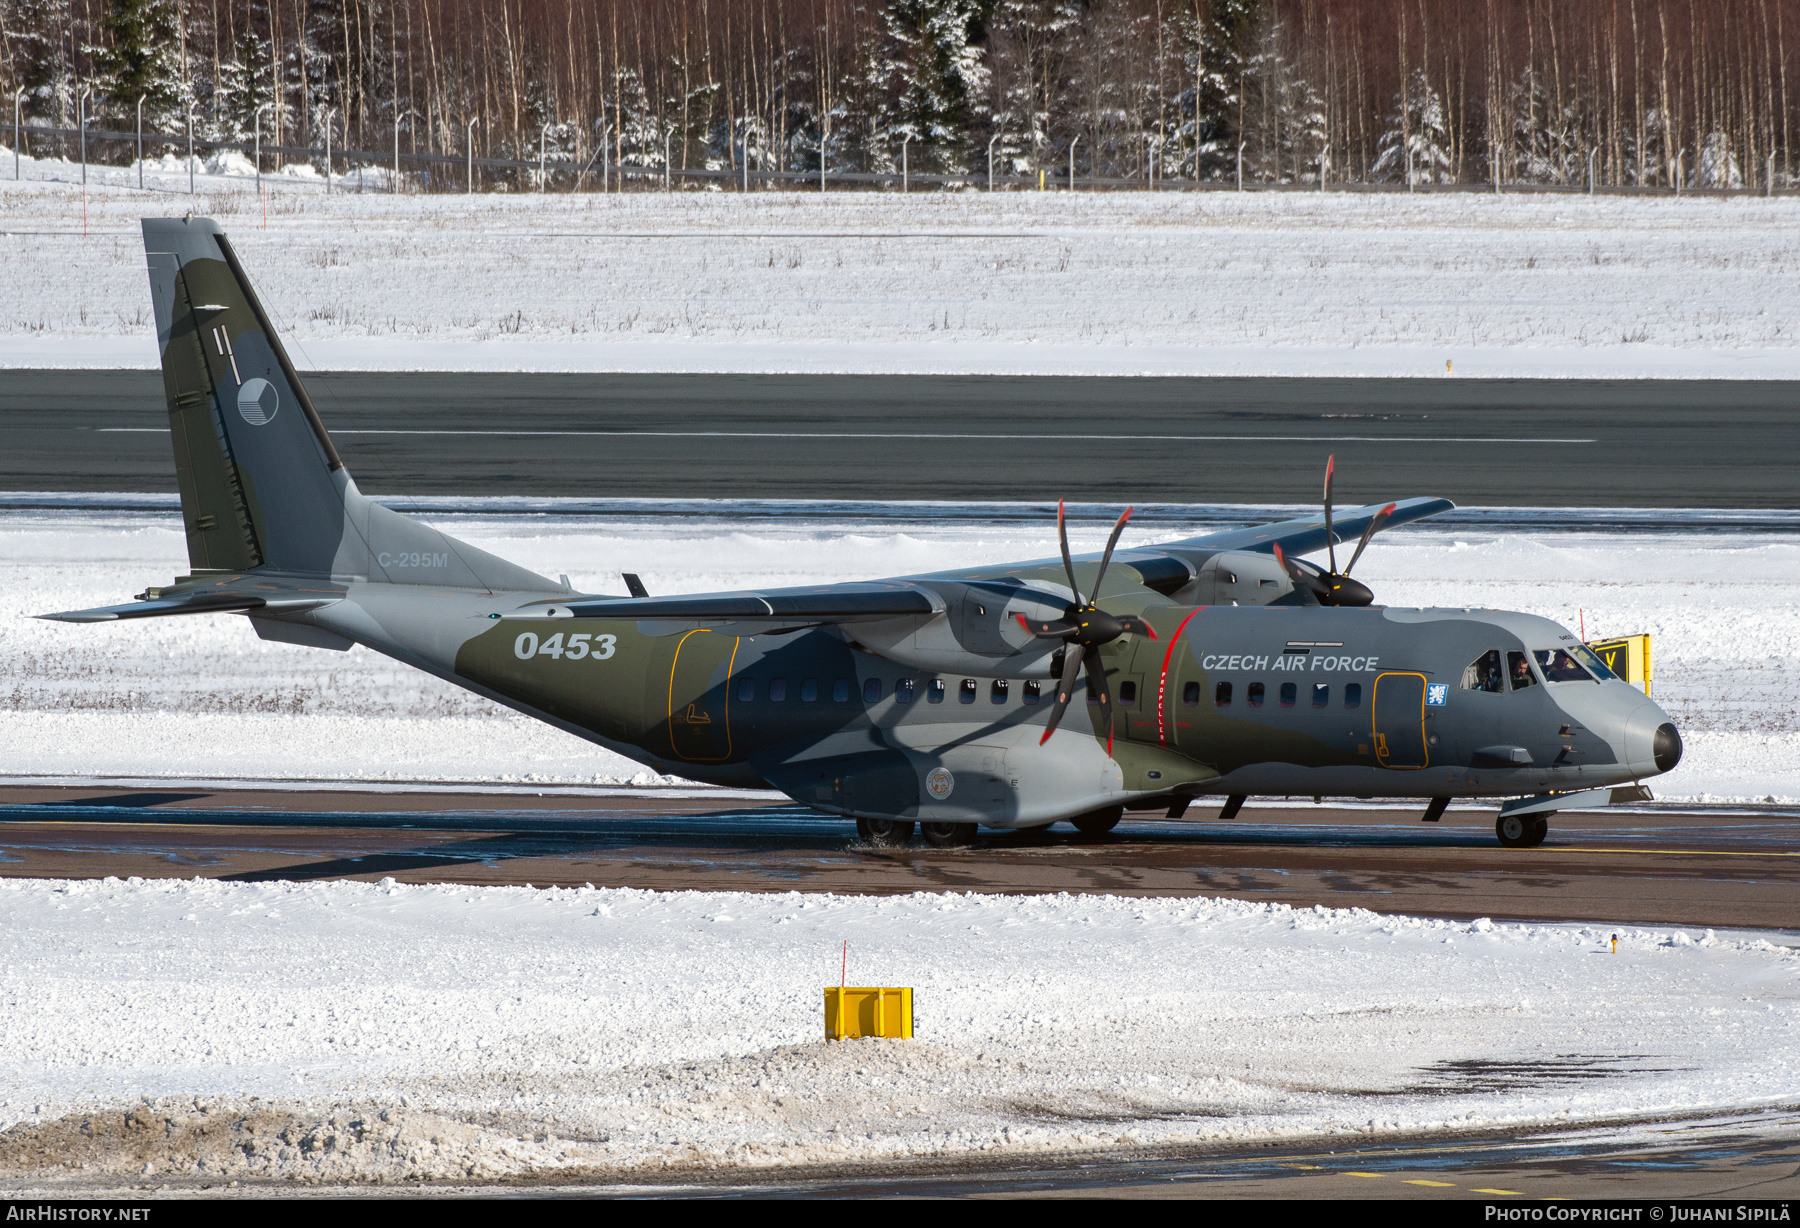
1335	587
1086	626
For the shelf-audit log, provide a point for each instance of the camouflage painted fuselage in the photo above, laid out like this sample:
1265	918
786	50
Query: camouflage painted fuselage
914	698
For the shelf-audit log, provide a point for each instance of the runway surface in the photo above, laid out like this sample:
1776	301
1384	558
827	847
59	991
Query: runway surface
1596	443
1720	868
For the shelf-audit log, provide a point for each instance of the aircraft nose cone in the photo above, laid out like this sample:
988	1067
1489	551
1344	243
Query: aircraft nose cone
1652	743
1666	747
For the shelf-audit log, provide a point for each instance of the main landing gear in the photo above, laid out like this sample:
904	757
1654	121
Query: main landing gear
885	833
1522	831
898	833
948	835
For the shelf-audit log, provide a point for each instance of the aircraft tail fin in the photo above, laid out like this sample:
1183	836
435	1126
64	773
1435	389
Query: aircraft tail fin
262	486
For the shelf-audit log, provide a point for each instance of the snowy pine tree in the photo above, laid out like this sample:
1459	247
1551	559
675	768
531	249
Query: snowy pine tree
1224	46
245	84
1417	140
35	37
935	79
141	57
1029	43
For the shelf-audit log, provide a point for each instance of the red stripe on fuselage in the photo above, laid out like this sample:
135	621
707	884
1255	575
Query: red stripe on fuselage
1162	683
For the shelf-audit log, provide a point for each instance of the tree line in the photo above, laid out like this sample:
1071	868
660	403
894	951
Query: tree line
1634	93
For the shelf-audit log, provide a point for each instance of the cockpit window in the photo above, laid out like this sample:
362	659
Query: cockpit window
1595	666
1483	674
1518	669
1558	666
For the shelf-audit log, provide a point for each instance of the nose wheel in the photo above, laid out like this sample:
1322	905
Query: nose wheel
1522	831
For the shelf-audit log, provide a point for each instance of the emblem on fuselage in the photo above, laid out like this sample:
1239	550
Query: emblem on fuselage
939	782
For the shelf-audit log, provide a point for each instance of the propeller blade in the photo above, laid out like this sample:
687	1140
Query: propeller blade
1062	535
1096	680
1065	686
1137	626
1330	538
1107	557
1303	581
1375	523
1055	629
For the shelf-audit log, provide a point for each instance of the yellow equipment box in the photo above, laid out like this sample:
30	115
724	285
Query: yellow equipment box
1628	657
860	1011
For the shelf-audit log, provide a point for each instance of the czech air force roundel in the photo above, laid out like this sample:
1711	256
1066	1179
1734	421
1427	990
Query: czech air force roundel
258	401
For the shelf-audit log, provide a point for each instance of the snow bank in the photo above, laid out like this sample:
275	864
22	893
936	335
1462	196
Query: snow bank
1055	283
346	1031
202	697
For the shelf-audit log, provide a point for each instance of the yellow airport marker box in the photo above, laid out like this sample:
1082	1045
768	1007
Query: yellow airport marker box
1629	657
861	1011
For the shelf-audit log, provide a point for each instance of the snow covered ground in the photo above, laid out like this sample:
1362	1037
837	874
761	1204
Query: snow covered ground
206	1031
204	698
1083	283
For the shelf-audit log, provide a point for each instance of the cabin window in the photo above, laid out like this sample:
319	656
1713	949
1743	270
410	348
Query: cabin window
1353	694
777	690
872	691
1321	695
840	691
1254	695
903	691
934	691
1190	693
809	690
997	691
1127	694
1288	691
1483	673
1031	691
746	690
965	694
1518	669
1222	695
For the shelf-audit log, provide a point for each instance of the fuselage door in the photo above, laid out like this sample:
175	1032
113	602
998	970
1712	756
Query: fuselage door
700	695
1398	713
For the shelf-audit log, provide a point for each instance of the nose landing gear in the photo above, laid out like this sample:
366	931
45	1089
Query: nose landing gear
1522	831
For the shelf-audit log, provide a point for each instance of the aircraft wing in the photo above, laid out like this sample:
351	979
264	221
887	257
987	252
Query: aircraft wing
787	607
1304	536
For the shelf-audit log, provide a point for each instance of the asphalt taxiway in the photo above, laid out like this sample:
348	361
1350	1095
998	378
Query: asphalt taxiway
1721	867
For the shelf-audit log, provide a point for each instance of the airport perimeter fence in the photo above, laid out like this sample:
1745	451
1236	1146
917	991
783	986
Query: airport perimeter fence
598	176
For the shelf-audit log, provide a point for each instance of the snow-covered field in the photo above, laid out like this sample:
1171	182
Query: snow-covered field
204	1031
1025	282
204	698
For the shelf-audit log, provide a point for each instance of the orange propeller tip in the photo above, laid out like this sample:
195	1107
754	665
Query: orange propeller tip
1046	736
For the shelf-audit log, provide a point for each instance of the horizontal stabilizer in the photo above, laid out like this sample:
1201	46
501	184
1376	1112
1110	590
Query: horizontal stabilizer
198	603
240	596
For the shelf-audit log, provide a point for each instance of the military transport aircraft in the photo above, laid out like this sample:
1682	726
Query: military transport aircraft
1010	696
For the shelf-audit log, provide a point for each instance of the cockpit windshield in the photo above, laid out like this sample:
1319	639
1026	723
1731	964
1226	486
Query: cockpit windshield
1595	666
1558	666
